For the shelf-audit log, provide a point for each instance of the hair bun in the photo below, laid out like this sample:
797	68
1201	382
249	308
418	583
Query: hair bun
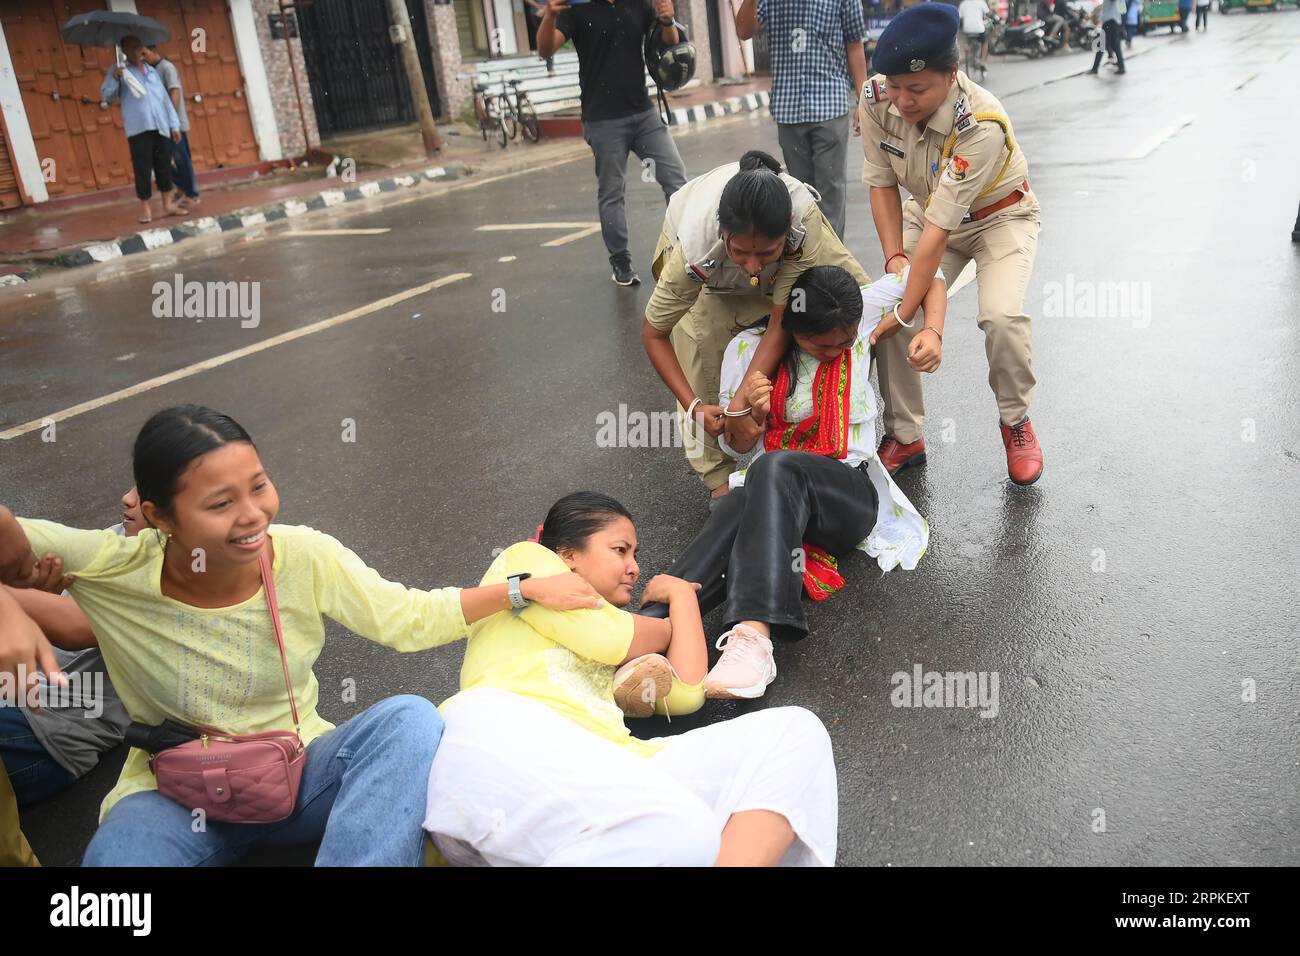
757	159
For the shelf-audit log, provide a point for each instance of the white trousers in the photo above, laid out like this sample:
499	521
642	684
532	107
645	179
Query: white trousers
516	784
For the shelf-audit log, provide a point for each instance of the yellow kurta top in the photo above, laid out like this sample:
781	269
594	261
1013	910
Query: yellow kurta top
562	659
964	158
220	667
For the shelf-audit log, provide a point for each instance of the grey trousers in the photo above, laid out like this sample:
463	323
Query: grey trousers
611	140
815	153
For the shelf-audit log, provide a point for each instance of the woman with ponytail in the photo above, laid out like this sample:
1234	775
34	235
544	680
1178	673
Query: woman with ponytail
186	614
537	766
814	489
733	242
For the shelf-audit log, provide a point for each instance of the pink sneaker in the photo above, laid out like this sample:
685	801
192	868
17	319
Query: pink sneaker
745	668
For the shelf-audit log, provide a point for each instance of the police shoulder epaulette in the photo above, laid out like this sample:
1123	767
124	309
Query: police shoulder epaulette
963	121
700	271
873	91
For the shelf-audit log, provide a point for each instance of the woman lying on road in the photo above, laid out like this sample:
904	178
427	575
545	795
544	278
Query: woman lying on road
536	766
182	619
797	506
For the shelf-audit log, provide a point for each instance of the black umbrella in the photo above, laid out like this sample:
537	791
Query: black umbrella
107	27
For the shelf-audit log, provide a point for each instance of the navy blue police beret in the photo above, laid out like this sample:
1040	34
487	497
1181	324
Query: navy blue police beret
914	37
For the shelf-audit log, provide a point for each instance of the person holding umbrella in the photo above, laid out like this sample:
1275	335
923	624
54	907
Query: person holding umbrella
150	123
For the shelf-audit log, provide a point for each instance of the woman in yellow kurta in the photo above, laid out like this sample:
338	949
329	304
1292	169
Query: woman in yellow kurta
182	620
537	767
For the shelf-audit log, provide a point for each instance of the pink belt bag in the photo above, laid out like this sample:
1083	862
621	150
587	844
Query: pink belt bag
239	778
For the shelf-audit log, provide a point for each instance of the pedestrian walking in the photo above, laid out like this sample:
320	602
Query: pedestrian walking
187	187
1203	15
1112	24
974	18
617	115
150	123
1184	11
929	128
733	242
818	68
1132	17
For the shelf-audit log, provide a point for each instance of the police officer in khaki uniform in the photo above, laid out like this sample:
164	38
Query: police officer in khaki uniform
733	242
928	127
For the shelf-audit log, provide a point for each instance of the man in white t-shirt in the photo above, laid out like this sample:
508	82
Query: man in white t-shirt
973	14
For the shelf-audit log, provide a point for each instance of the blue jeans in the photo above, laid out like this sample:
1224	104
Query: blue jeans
183	163
33	772
362	796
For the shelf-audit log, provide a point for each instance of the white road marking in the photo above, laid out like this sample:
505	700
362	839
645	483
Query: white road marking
335	232
220	360
1154	143
580	234
508	226
583	229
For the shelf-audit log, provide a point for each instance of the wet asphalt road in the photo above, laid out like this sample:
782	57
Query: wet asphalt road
1122	601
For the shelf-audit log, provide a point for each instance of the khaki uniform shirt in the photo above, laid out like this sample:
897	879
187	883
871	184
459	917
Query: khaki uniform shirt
692	256
964	159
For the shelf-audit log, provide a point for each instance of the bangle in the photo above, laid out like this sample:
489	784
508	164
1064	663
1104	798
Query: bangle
899	318
931	328
740	413
690	411
667	23
893	257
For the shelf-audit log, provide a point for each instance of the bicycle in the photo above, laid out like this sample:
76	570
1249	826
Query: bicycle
490	116
519	112
972	50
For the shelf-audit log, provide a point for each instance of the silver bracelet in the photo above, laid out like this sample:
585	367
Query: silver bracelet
899	319
739	413
691	409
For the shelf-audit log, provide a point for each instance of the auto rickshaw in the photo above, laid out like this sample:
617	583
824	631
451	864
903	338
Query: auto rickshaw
1158	12
1254	6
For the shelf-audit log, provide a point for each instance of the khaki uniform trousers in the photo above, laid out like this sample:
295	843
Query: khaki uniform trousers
699	340
1003	247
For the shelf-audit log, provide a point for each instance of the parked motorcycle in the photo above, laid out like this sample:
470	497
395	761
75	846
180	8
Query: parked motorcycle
1026	37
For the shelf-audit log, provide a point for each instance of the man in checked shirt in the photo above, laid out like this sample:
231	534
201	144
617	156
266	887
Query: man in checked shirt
818	69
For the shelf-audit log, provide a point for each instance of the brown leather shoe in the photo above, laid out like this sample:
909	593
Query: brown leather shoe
894	455
1024	454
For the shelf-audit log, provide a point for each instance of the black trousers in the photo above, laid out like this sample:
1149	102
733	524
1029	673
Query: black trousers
1203	17
1113	31
151	156
748	554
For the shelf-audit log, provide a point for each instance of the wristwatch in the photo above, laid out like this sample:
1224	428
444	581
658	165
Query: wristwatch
517	599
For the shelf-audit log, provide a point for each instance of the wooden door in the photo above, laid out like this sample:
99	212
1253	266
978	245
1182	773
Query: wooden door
80	144
221	129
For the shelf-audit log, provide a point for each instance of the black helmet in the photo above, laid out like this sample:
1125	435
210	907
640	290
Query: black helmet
671	67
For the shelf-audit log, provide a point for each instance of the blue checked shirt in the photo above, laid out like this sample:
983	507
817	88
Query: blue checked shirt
810	69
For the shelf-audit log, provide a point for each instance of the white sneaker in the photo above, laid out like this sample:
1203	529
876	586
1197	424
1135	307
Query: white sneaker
641	682
746	667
